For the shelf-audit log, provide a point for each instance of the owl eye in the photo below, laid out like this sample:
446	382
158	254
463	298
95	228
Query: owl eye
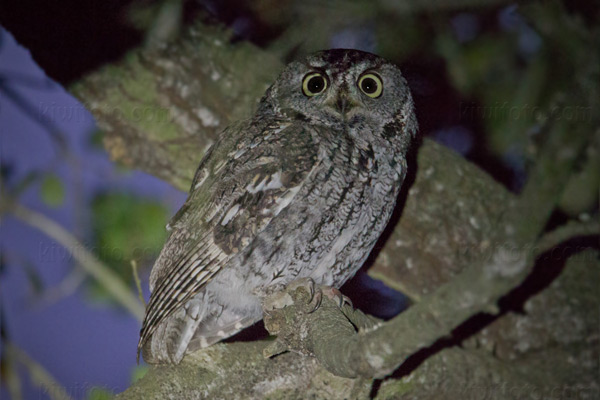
371	85
313	84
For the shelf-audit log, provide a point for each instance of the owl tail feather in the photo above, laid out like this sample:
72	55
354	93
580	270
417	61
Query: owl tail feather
191	328
169	342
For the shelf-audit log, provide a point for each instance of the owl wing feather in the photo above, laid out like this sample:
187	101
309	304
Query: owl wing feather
246	179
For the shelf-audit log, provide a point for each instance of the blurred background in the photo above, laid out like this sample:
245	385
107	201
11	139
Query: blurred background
485	80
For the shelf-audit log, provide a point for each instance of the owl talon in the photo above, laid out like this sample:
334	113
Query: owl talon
337	296
315	302
288	297
314	293
306	283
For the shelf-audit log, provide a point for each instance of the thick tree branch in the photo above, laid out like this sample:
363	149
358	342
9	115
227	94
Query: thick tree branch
239	371
379	352
161	108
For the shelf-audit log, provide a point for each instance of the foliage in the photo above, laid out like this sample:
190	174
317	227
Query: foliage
52	191
127	227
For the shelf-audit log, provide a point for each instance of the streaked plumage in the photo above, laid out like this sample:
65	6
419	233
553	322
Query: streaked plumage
302	189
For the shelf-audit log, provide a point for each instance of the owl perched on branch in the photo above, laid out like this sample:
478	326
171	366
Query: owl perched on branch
303	189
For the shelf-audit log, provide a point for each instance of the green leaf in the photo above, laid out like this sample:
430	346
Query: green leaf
127	227
138	373
53	193
99	393
96	139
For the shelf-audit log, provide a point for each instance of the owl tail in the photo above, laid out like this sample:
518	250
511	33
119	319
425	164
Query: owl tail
191	328
168	343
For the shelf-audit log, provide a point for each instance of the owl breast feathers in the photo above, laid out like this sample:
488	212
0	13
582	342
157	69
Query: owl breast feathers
302	189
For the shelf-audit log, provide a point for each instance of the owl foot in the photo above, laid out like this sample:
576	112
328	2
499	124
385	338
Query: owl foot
314	293
311	297
289	313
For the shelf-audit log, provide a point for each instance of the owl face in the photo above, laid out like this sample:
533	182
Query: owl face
341	88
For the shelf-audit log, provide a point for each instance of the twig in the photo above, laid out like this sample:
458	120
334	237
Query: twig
39	376
568	231
11	378
546	182
138	283
108	279
65	288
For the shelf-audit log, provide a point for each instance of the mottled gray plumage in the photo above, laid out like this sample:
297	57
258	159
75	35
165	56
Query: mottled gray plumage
302	189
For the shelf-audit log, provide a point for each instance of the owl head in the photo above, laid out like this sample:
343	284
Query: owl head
342	88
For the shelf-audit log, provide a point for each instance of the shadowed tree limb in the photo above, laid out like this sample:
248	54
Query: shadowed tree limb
568	231
378	352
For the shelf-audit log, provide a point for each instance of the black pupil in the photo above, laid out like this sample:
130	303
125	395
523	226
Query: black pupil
369	85
316	84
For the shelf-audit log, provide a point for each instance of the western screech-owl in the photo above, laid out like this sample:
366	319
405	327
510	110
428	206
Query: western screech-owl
302	189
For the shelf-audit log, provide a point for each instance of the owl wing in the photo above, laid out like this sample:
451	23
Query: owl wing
245	180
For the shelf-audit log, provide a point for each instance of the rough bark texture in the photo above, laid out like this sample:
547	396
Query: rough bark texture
453	215
161	109
239	371
548	352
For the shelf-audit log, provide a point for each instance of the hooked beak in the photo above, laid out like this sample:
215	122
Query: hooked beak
342	103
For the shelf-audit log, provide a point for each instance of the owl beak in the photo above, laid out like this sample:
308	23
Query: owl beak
343	103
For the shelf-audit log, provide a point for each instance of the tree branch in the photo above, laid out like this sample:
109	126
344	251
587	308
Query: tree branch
568	231
38	374
89	263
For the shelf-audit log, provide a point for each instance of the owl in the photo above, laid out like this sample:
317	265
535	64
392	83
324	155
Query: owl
303	189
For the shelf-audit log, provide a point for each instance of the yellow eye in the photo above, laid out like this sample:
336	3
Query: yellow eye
371	85
313	84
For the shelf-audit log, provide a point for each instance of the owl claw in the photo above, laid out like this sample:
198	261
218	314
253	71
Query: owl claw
279	300
315	302
287	314
315	296
337	296
283	298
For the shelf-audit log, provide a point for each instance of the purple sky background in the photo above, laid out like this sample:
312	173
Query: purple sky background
80	343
